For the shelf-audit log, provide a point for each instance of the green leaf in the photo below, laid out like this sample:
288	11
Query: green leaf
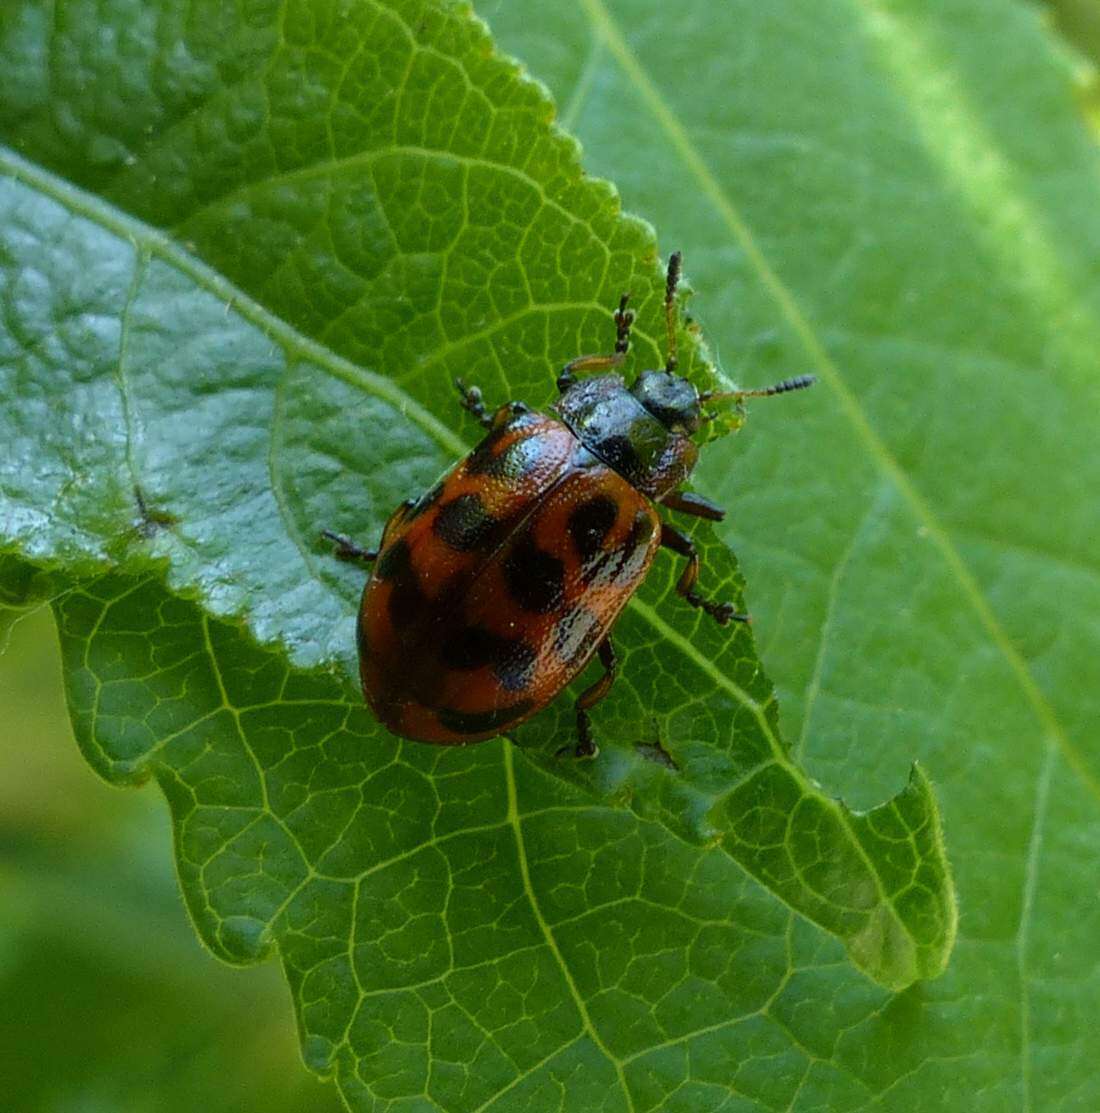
1079	22
243	256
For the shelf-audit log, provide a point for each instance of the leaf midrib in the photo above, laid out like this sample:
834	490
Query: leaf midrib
1023	930
295	345
515	821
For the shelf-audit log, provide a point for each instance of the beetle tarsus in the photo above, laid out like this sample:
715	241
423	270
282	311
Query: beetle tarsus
346	549
152	519
722	613
586	745
474	403
624	318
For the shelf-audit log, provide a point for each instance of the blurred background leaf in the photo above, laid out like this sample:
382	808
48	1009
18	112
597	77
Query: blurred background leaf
1078	23
110	1003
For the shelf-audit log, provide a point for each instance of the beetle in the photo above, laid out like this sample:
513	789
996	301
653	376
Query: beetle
492	591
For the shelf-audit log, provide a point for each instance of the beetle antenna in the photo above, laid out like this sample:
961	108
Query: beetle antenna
799	382
672	280
624	318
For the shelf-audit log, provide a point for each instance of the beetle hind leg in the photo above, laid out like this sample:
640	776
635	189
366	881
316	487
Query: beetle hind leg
722	613
586	744
346	549
624	318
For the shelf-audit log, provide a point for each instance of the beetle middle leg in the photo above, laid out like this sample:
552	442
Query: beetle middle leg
687	502
624	318
586	745
722	613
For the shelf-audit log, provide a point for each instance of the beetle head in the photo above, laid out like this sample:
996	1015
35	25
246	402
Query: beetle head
671	399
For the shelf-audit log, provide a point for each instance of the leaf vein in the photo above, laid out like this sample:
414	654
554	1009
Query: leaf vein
1027	907
551	942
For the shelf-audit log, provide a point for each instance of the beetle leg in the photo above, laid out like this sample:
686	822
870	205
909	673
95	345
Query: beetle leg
586	745
672	538
686	502
672	280
472	401
346	549
624	318
508	411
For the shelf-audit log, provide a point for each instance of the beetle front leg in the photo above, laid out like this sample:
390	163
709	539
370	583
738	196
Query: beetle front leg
586	745
474	403
624	318
722	613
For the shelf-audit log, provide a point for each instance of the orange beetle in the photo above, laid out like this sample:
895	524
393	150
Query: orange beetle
491	592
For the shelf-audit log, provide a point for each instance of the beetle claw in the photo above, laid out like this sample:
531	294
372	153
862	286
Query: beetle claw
581	751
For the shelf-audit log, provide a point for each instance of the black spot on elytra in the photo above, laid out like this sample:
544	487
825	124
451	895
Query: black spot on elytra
514	671
483	456
407	601
618	451
589	524
515	460
451	590
535	578
463	523
479	722
474	647
394	562
406	604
